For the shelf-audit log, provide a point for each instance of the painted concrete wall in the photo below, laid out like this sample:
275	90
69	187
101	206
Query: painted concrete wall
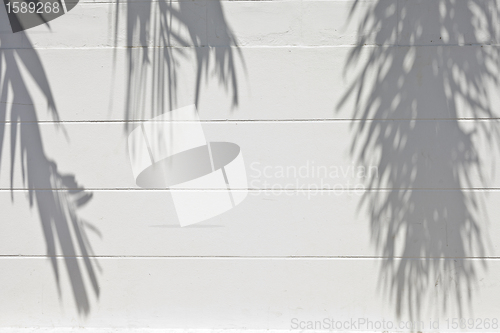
370	135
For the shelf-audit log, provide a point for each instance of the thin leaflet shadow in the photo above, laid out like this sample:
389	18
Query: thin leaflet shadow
171	44
427	167
56	195
168	32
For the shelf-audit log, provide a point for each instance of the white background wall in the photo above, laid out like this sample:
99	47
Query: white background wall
406	86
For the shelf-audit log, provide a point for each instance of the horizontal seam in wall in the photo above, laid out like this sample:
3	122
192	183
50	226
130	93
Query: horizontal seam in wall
247	46
251	257
236	121
334	191
252	1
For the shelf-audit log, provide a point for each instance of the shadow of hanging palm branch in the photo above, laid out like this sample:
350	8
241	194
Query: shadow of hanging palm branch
162	33
427	167
56	196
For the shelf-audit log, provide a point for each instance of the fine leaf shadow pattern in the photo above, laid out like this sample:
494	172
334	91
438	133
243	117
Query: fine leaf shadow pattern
417	95
160	35
56	195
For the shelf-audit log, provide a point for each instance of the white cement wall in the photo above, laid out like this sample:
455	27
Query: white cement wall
403	91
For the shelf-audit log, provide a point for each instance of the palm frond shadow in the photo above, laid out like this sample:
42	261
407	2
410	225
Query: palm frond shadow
56	196
396	83
163	34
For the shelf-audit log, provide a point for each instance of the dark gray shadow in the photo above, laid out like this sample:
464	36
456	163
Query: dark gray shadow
163	32
35	13
56	195
416	160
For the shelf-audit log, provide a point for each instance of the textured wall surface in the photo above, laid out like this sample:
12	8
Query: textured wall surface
370	134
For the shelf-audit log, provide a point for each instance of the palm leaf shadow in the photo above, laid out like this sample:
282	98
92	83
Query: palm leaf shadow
165	32
426	211
57	196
